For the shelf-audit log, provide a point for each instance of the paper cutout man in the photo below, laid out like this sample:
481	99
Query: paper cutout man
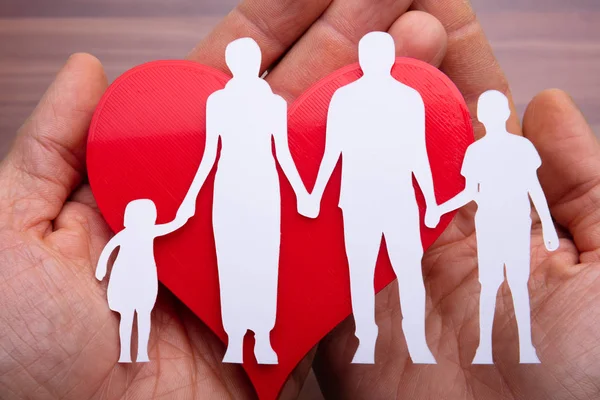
377	126
501	176
133	284
246	115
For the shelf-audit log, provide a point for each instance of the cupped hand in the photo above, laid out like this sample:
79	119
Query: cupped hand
58	339
564	284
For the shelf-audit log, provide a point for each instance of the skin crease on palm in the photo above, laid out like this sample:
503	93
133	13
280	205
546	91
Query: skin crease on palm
58	339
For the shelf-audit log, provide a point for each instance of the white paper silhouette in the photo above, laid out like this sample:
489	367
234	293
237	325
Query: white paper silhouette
501	176
246	115
377	126
133	284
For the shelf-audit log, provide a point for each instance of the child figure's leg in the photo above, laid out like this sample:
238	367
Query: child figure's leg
491	277
143	323
517	272
487	308
125	336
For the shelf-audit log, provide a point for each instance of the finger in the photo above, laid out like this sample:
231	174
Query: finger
470	61
47	160
332	42
84	195
570	172
275	25
80	232
420	35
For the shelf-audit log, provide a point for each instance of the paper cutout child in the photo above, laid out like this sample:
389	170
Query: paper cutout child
246	116
133	284
501	176
377	126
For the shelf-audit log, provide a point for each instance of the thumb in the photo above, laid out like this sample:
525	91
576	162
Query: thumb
47	160
570	173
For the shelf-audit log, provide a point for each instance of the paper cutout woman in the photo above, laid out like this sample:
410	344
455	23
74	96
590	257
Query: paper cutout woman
133	284
501	176
246	115
377	126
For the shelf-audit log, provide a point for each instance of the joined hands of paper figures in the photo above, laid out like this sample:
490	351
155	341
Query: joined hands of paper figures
309	205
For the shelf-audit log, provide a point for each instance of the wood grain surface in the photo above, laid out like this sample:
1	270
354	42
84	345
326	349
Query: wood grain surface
539	43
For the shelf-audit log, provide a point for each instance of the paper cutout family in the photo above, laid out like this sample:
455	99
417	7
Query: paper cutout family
377	200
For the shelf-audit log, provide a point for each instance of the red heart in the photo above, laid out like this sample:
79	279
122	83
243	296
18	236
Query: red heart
147	139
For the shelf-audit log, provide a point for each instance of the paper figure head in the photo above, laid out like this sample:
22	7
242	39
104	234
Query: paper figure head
243	57
377	53
140	213
493	108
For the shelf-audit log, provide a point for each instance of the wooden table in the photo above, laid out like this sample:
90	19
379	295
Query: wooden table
540	44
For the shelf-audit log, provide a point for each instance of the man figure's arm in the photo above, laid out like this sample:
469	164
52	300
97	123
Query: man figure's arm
461	199
333	151
282	149
467	194
421	167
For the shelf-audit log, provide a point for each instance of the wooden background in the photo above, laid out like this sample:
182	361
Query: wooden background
539	43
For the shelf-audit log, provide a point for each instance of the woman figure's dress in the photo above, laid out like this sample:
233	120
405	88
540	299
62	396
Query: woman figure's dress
247	205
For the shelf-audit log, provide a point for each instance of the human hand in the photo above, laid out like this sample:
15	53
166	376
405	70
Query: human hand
432	216
52	233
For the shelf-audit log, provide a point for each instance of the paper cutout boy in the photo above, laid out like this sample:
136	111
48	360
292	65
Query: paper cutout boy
133	284
246	116
501	176
376	125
